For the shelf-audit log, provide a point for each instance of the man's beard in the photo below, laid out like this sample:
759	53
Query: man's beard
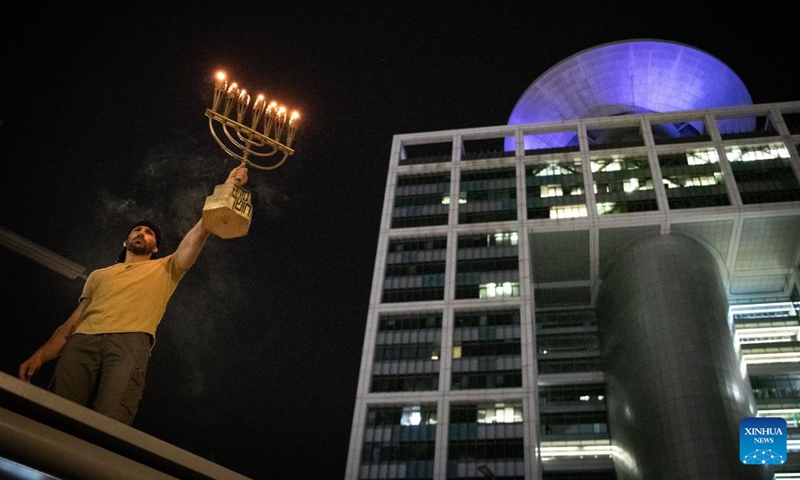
139	249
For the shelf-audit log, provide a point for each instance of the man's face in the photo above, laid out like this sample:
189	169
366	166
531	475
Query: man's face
141	240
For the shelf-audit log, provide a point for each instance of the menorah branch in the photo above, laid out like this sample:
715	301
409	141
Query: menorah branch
246	142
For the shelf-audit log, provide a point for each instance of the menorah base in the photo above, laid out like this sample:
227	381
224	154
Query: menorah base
227	212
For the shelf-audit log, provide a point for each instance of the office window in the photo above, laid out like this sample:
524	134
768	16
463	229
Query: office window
486	434
399	439
488	196
623	184
407	351
486	350
693	179
574	425
415	270
569	364
779	386
421	200
555	189
573	395
546	320
487	266
551	343
763	173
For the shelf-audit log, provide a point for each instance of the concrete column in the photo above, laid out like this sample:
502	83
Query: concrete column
675	392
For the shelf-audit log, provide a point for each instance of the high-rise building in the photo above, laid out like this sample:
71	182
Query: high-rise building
603	288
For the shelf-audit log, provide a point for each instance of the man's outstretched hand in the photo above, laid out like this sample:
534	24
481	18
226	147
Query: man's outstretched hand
238	175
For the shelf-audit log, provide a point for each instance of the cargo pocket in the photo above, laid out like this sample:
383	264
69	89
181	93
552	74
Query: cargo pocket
133	393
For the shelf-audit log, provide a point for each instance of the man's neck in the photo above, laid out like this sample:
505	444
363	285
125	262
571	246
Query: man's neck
133	258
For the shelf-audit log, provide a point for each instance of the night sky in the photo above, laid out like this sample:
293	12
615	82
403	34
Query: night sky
257	358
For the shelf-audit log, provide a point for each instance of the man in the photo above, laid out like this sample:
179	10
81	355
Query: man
104	346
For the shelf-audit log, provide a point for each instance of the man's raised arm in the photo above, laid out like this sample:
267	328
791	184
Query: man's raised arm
195	239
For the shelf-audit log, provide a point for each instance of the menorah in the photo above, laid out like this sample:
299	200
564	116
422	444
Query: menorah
267	135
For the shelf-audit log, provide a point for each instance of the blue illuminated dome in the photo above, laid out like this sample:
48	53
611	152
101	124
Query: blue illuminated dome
627	77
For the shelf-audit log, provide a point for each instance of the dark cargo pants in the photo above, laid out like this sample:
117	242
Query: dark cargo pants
104	372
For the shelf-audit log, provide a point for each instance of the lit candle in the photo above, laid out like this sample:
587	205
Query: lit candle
221	83
243	102
219	89
260	102
258	110
269	121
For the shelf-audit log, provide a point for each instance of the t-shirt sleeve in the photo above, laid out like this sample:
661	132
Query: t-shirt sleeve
88	287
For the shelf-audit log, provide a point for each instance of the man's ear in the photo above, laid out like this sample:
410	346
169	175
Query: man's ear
125	244
155	249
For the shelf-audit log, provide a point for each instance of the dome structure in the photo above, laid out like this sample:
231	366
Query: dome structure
627	77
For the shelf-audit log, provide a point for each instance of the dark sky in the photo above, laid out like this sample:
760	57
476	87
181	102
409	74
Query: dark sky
258	355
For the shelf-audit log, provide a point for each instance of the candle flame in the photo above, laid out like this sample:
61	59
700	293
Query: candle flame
260	101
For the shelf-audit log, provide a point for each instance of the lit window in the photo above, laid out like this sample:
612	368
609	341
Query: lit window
551	191
500	413
631	185
505	289
568	211
606	166
756	152
702	157
701	181
462	199
606	207
508	238
554	169
411	416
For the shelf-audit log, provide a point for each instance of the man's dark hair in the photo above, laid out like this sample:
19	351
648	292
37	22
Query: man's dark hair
146	223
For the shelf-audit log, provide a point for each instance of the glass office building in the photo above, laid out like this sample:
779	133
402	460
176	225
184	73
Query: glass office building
603	288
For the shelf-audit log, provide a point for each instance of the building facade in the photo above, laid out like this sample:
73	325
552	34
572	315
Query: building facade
601	289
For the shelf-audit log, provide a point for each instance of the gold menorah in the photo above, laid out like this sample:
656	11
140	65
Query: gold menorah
269	136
